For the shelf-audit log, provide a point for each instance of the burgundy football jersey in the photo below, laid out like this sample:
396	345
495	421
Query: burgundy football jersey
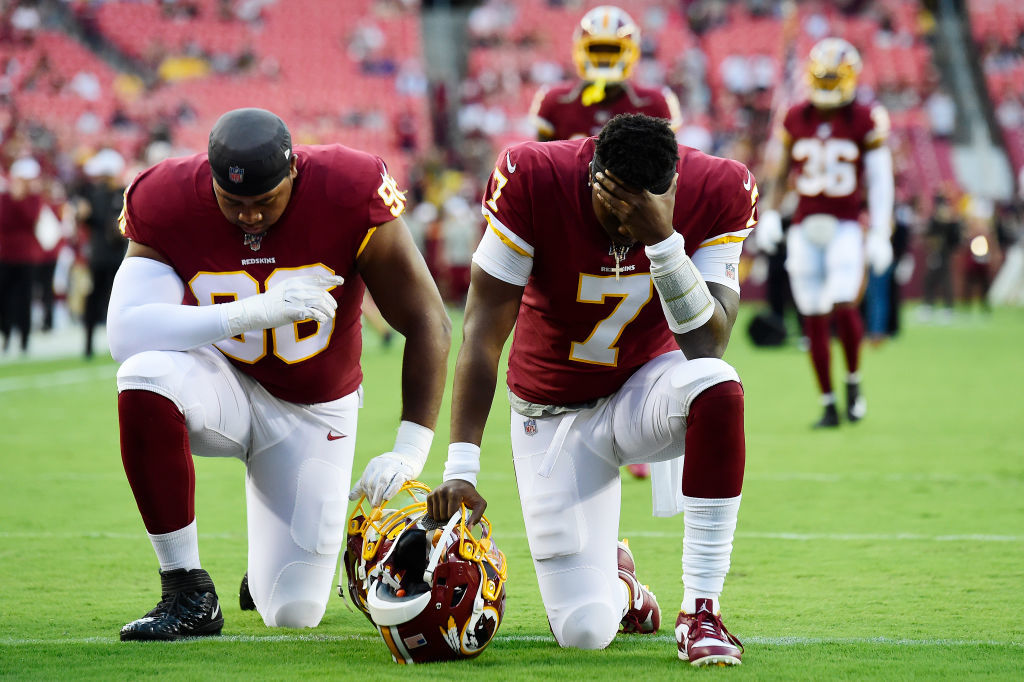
581	332
559	113
827	154
339	195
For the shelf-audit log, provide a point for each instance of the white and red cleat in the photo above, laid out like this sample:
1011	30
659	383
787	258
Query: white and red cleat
703	639
644	614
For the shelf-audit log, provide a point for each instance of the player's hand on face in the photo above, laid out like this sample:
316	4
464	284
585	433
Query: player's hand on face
444	500
645	217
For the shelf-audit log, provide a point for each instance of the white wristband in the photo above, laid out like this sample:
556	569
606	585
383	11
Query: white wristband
685	297
463	462
413	443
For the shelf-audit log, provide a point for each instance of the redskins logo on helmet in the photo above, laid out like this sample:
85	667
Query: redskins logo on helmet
832	71
606	45
433	590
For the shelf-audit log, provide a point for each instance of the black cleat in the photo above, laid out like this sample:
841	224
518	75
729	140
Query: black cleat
828	420
856	405
188	608
245	601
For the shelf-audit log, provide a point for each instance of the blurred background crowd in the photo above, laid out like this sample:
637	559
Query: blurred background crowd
93	91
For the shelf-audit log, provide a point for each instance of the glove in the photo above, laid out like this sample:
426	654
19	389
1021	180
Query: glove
768	233
385	474
295	299
878	251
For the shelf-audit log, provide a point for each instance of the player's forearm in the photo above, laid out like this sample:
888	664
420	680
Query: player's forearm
709	340
425	368
476	375
146	313
881	189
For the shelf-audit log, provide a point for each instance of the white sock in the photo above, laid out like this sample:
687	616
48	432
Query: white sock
853	378
828	399
177	549
710	524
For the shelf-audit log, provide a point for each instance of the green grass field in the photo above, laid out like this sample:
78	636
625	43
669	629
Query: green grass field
890	549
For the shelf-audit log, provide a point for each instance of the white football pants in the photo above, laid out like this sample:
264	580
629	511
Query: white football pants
298	462
567	471
824	275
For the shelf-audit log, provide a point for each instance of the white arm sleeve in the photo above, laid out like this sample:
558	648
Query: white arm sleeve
881	190
502	261
720	263
146	312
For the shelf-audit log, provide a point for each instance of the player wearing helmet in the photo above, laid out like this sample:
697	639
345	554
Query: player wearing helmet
433	590
615	259
605	47
836	149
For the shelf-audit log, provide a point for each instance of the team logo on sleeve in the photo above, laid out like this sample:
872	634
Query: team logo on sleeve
530	427
235	174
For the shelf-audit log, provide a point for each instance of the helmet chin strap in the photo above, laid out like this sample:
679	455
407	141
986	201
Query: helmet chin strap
593	93
440	547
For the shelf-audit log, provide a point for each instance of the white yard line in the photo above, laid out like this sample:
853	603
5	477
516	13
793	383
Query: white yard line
30	382
764	641
798	537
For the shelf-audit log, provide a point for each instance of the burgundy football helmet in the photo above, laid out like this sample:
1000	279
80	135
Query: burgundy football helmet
433	590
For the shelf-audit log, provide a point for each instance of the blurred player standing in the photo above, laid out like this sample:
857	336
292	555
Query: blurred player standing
235	315
21	205
836	148
615	260
605	47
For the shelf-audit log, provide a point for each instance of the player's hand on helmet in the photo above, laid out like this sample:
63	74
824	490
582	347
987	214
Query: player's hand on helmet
768	233
878	250
645	217
293	300
444	500
383	476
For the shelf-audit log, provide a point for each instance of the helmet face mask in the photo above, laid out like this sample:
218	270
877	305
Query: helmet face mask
606	45
433	590
832	71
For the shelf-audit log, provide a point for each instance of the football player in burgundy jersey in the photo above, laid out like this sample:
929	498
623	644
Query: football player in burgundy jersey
615	259
235	316
606	45
836	149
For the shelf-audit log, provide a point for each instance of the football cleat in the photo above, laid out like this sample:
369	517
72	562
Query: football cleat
245	601
856	405
644	614
829	419
640	470
188	608
703	639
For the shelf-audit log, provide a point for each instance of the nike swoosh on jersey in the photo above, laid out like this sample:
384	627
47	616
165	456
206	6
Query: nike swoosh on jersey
331	436
508	163
748	182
